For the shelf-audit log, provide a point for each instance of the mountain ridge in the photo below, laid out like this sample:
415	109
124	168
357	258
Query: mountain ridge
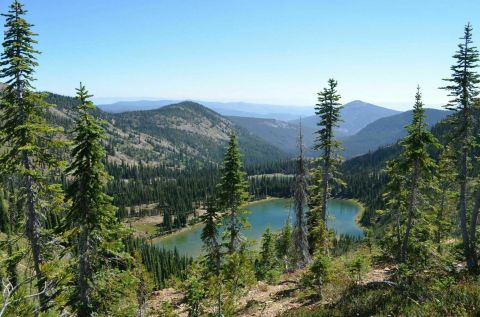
177	134
385	131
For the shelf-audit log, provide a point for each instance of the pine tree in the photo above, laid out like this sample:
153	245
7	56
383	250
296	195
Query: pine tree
446	177
91	218
300	196
209	237
395	197
417	163
233	194
464	89
286	246
267	260
325	173
30	141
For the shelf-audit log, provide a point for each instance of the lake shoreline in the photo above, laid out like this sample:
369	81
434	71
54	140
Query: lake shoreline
359	205
271	212
150	225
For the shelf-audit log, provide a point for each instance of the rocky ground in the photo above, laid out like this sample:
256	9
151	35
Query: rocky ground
264	300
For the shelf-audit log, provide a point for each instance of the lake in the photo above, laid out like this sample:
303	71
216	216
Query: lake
273	213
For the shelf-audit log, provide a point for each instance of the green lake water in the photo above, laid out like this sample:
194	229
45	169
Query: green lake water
273	213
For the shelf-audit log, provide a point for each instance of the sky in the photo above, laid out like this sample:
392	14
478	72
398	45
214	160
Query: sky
268	51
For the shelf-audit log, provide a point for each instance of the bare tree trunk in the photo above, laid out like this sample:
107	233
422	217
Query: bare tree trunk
33	233
325	185
300	202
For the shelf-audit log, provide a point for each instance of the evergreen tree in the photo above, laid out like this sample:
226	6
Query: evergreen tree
237	275
417	163
209	237
410	173
286	247
463	88
91	219
325	174
233	194
267	260
300	196
29	140
446	177
194	288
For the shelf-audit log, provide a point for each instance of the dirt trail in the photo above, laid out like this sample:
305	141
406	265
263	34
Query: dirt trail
378	274
264	300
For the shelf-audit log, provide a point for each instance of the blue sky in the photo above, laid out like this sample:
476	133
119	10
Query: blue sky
279	52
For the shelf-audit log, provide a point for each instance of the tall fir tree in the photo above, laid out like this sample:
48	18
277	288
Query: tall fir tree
325	173
300	196
210	237
91	221
285	246
29	140
267	260
233	194
416	164
463	87
446	185
212	247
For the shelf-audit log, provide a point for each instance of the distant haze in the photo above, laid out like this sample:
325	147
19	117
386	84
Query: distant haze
243	109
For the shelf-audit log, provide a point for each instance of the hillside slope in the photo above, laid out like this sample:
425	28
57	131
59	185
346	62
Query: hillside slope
176	134
281	134
196	130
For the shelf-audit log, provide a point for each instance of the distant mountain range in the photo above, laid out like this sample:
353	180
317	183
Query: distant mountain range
355	116
242	109
365	127
188	131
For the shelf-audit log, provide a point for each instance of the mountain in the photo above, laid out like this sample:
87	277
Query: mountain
180	134
137	105
264	111
192	129
224	108
355	116
385	131
281	134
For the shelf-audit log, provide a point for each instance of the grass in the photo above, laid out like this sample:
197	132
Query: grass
146	228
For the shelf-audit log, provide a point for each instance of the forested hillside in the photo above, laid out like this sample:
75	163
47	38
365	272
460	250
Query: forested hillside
175	134
196	132
281	134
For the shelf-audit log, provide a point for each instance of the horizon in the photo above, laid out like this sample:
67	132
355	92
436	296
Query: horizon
267	53
114	101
